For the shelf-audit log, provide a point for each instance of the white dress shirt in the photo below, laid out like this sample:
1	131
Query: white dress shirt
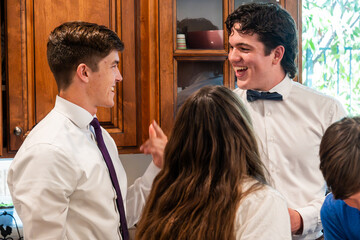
262	215
289	134
60	184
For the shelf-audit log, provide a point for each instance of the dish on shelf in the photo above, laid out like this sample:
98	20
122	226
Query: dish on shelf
211	39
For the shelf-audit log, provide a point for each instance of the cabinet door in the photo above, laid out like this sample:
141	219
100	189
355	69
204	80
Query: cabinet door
193	51
31	86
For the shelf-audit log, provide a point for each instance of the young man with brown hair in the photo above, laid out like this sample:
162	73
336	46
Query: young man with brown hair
289	118
67	181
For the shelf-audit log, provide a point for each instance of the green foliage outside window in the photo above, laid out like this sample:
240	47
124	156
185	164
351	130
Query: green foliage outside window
331	49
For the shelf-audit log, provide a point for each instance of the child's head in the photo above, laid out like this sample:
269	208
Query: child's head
340	157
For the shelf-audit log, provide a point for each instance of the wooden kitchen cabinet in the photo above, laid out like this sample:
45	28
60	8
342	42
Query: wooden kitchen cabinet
31	88
158	73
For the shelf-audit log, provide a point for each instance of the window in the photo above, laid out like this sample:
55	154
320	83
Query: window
331	49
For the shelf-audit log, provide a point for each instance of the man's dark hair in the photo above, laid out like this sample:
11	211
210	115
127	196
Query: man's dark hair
73	43
340	157
274	26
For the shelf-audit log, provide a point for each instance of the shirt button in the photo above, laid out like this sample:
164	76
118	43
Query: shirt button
268	114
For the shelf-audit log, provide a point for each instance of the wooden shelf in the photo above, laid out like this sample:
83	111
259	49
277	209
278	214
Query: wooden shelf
200	53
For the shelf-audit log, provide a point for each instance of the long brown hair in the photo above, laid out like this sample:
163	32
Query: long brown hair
211	151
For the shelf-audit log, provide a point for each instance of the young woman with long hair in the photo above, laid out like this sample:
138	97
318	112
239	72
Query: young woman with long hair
213	184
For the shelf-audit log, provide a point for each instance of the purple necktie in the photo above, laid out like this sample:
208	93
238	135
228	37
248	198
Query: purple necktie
101	144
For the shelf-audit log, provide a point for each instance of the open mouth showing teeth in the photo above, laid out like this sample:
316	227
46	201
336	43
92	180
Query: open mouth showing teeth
240	69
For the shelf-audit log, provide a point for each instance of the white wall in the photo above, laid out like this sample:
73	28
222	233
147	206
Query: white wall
135	165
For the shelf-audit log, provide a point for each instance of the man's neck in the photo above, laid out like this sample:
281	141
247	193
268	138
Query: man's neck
78	98
277	80
272	83
353	201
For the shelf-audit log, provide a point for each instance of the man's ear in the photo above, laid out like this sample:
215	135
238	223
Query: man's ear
278	53
82	71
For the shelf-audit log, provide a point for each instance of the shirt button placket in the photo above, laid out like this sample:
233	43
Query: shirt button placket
270	135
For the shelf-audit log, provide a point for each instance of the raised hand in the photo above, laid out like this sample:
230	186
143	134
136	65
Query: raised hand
155	145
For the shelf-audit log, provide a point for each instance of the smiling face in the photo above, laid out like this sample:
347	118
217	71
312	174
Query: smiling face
252	68
101	88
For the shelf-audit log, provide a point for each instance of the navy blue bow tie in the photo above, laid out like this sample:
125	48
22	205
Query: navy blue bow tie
252	95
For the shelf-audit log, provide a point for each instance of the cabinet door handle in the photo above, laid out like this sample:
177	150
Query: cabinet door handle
17	131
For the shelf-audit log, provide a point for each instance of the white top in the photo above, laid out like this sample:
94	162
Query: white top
60	184
289	134
262	215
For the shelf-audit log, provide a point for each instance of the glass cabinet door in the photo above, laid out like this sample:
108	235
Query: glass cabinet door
193	75
199	24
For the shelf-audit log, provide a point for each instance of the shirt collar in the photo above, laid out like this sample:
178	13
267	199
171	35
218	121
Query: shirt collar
78	115
283	87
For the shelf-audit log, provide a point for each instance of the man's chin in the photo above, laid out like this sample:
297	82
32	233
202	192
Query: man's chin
242	85
109	105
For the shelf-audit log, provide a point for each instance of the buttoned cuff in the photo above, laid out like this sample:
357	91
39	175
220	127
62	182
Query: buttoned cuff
149	175
311	219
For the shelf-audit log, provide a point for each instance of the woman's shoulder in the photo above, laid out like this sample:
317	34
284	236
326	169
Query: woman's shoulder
262	214
262	198
262	192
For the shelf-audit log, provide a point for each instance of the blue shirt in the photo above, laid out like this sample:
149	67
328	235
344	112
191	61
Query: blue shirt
339	220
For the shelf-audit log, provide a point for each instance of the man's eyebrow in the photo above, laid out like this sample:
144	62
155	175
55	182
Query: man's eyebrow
116	62
242	45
